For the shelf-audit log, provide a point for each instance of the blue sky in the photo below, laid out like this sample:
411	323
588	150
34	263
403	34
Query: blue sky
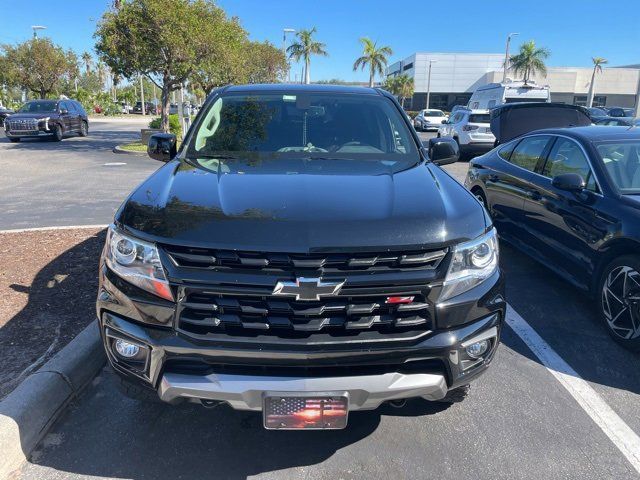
573	30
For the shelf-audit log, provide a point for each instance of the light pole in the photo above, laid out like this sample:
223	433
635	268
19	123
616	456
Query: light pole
429	82
506	56
35	29
143	110
284	49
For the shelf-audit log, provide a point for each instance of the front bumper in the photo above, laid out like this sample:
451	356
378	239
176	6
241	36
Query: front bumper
28	133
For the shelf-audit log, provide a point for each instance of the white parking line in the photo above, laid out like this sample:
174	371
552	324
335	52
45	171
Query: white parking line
591	402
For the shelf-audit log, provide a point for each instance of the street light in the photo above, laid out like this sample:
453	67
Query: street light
284	49
35	29
506	56
429	82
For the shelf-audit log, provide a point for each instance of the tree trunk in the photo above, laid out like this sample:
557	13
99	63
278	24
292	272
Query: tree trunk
43	93
402	102
307	76
164	115
591	88
371	75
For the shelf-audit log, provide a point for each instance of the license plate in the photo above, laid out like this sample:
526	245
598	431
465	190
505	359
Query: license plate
291	411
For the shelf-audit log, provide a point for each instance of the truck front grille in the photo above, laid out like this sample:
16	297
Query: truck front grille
29	124
203	312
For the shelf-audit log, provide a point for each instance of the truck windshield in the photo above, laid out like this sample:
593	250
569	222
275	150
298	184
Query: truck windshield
622	161
37	107
303	125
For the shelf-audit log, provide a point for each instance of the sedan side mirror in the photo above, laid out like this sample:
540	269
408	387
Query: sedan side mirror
570	182
162	146
443	151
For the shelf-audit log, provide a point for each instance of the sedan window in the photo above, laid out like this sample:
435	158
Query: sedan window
622	161
566	156
528	152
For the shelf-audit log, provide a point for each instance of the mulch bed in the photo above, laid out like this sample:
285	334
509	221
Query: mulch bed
48	287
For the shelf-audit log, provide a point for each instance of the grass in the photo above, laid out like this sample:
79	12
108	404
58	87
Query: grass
133	147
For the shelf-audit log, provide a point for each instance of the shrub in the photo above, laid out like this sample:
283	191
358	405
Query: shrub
174	124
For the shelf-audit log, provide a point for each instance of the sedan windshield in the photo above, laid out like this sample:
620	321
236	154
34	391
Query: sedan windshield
303	125
39	106
622	161
433	113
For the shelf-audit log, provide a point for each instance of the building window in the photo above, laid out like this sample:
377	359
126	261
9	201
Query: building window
599	100
580	100
407	66
438	101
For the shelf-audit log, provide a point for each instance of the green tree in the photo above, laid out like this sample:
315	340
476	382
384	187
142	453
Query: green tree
374	56
164	40
529	60
39	66
401	86
266	63
304	48
597	68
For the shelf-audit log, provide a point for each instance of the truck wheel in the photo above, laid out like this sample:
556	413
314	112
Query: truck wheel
619	300
14	139
456	395
84	129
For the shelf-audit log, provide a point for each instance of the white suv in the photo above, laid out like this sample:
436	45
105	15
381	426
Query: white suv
429	119
471	129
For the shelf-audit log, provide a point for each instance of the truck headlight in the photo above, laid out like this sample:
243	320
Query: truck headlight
473	262
137	262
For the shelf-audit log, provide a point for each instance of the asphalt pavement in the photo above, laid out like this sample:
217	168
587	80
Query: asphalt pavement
519	421
78	181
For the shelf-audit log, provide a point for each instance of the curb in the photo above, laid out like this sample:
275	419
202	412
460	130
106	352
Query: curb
121	151
28	412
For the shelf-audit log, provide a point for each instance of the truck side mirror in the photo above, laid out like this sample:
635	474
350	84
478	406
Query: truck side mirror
162	146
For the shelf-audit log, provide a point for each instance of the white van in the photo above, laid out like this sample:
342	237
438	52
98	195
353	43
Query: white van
494	94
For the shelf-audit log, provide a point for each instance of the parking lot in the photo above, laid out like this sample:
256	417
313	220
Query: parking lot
519	421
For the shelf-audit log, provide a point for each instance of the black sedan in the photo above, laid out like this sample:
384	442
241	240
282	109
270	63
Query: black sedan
570	198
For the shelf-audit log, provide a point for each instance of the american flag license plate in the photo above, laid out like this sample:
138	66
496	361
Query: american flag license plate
293	412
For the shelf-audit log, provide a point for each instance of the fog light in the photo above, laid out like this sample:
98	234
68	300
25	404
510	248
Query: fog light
477	349
126	349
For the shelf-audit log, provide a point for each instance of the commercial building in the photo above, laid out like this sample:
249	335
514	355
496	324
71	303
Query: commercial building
455	76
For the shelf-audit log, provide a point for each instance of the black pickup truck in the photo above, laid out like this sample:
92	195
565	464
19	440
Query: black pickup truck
304	255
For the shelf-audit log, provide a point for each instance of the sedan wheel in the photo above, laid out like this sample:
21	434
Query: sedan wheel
84	129
620	301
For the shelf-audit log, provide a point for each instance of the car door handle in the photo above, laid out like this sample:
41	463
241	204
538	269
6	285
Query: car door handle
534	194
493	178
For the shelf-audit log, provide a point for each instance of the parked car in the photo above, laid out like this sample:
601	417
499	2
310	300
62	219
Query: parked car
570	198
470	129
4	113
429	119
619	121
173	109
124	107
285	286
597	114
621	112
495	94
150	109
54	119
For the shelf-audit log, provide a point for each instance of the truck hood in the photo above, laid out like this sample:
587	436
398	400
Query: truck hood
301	206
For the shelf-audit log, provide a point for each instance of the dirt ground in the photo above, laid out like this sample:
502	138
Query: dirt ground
48	286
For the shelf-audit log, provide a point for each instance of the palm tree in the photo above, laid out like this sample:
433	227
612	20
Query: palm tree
400	86
374	56
530	60
597	68
304	48
88	60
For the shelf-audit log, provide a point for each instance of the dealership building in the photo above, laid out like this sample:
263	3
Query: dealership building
455	76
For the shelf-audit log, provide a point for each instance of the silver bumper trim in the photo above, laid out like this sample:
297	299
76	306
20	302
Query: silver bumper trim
244	392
